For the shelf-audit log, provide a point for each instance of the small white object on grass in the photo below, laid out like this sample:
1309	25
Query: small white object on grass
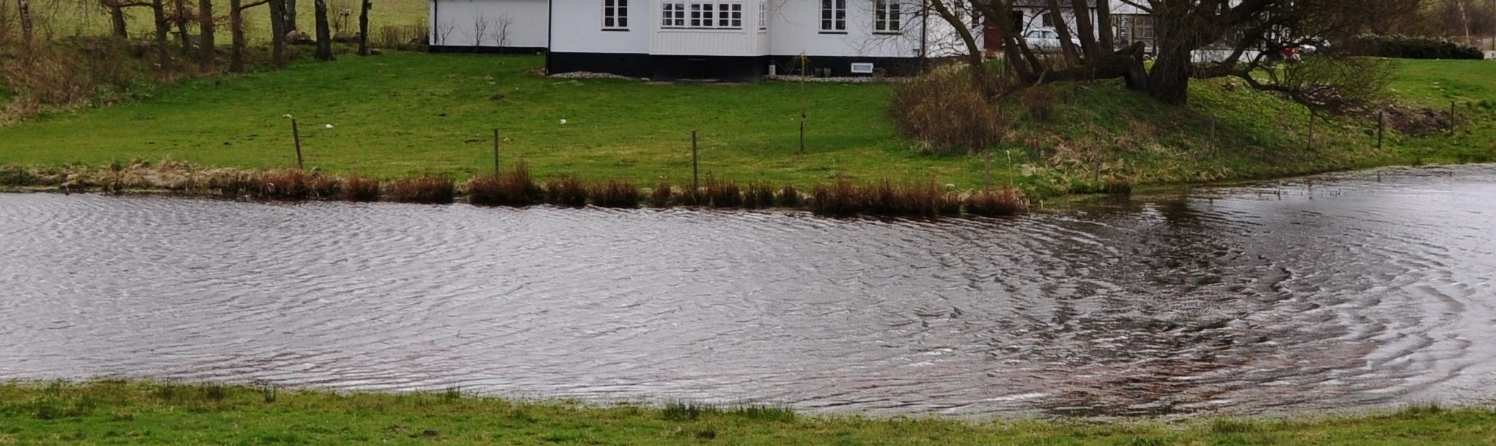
328	126
563	121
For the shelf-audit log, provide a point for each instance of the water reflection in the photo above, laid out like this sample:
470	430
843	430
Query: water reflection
1247	299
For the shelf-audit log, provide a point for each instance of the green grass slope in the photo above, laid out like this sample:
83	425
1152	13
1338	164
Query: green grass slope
137	413
409	113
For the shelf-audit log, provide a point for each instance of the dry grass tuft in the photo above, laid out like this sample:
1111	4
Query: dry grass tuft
662	195
723	193
759	195
566	191
615	194
996	203
356	188
426	189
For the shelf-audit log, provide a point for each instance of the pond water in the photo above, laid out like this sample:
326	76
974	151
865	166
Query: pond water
1344	291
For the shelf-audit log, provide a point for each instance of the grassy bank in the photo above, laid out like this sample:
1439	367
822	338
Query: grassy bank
61	18
151	413
407	114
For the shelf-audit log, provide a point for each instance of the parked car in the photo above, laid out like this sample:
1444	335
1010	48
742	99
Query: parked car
1045	40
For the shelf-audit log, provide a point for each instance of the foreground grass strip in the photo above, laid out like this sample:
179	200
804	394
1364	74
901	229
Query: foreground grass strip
119	412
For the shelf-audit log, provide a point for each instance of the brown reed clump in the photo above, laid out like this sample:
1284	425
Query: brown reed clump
356	188
723	193
566	191
789	197
996	203
661	196
615	194
426	189
514	187
759	195
913	200
323	187
288	184
840	199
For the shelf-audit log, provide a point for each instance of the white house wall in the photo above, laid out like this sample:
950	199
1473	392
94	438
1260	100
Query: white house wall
795	29
522	23
579	26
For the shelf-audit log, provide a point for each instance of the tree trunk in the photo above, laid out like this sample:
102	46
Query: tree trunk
1060	27
181	19
278	31
23	9
158	8
1105	35
363	27
289	13
324	31
1084	29
117	20
206	44
236	33
1169	80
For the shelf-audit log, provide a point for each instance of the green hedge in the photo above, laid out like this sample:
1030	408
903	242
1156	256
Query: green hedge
1407	47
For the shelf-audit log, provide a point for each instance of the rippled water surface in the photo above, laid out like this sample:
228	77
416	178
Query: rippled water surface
1335	292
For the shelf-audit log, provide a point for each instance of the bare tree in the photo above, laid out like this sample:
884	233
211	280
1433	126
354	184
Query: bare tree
289	15
501	35
480	30
363	26
23	12
158	9
440	31
180	18
236	33
206	44
324	31
279	29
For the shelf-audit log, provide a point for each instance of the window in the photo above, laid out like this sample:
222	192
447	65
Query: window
615	14
833	15
1047	19
763	15
674	15
886	17
703	15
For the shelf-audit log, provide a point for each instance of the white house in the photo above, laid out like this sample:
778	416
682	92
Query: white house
722	39
1129	23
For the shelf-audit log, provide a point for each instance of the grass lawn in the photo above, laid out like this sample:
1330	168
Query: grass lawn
413	113
139	413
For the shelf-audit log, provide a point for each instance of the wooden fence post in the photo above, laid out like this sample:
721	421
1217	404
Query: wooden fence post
1311	129
1453	117
296	136
1381	127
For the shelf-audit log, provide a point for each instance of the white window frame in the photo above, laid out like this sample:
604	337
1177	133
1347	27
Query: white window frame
673	14
888	17
763	15
833	16
615	15
703	14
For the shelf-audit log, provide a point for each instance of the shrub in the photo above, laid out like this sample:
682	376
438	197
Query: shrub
566	191
995	203
945	113
356	188
661	195
759	195
723	193
426	189
1408	47
615	194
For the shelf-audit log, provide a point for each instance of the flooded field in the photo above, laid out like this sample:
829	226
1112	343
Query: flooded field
1343	291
